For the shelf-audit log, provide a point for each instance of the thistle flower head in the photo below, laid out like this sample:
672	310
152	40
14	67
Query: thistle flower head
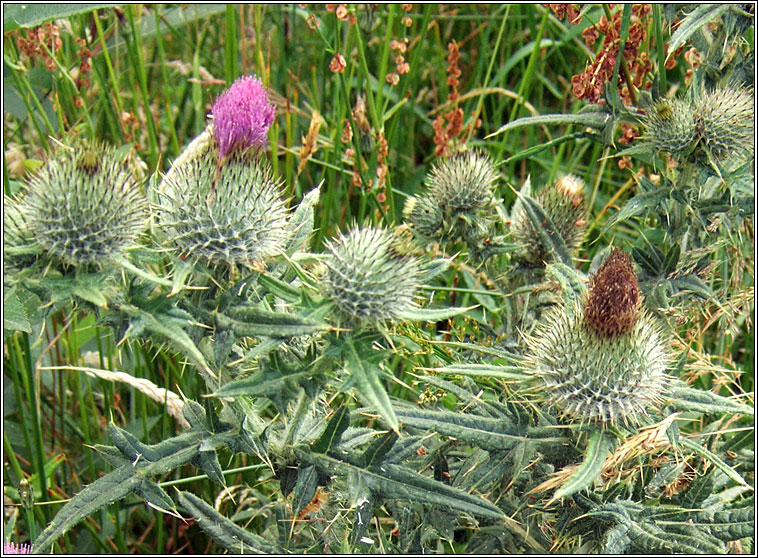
670	127
565	203
242	116
463	181
370	277
604	361
725	122
424	215
227	214
84	205
612	303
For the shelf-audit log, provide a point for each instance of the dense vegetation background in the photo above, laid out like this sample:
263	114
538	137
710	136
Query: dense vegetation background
369	98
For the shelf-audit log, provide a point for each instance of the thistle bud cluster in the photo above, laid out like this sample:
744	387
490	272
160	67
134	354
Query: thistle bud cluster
83	207
458	202
371	277
565	204
602	361
719	124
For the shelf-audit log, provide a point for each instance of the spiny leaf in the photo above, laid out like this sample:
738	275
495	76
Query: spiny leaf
33	15
305	488
503	372
699	17
433	314
223	531
398	482
636	206
366	377
104	491
713	458
301	222
207	462
686	398
570	280
600	444
166	327
155	496
732	524
248	321
591	120
14	314
261	384
335	427
486	433
376	451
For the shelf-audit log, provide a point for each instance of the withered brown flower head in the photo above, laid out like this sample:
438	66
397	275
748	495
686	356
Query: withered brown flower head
612	305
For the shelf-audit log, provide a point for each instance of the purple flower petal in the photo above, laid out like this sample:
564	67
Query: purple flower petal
13	548
242	115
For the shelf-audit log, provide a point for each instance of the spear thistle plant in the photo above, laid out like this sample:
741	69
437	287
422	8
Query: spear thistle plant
220	201
604	361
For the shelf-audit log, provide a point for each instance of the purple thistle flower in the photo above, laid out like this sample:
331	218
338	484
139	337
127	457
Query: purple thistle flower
242	115
13	548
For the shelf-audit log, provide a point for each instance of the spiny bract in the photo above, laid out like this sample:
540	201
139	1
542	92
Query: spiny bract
725	120
603	361
424	215
227	214
565	203
84	205
369	276
595	380
16	234
670	127
463	181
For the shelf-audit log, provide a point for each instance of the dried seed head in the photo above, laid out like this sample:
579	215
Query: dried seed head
370	276
424	215
670	127
612	305
725	122
84	205
227	214
463	181
242	116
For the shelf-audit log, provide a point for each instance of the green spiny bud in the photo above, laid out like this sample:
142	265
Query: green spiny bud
424	215
227	214
725	121
463	182
565	203
371	277
599	363
670	127
84	205
16	234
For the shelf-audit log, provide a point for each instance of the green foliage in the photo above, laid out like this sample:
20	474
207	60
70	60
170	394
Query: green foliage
368	335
